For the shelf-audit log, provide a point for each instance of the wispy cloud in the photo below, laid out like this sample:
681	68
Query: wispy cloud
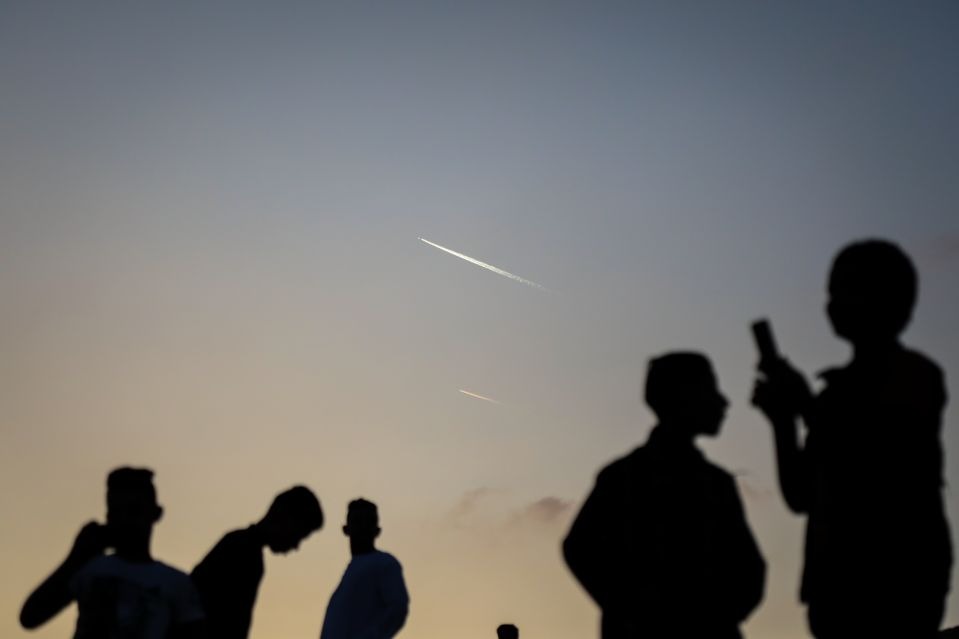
468	503
484	398
488	267
544	512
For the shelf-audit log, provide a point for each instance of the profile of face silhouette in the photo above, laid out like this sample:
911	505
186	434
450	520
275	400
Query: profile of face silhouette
287	536
872	291
292	517
681	389
362	521
132	509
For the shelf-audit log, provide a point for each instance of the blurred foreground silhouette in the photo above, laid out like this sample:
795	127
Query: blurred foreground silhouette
127	593
662	544
869	473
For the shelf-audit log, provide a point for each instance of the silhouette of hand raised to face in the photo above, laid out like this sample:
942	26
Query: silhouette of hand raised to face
92	540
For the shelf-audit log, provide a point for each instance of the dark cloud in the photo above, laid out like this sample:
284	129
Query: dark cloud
545	511
468	503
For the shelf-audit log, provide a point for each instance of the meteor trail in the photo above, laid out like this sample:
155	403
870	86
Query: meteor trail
485	399
488	267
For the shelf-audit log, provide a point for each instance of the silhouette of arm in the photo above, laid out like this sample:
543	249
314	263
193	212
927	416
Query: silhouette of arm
55	593
791	466
783	396
585	544
395	599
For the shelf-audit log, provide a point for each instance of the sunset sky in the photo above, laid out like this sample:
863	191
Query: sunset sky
209	223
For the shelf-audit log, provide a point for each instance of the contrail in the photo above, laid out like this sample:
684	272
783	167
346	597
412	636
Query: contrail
485	399
489	267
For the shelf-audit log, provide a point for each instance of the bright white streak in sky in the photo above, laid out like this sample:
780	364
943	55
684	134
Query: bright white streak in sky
489	267
486	399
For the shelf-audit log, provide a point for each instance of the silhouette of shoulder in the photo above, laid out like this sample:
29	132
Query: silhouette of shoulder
233	546
651	457
157	569
906	373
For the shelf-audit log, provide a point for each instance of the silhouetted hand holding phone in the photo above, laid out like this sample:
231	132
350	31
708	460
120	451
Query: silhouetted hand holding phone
781	392
868	475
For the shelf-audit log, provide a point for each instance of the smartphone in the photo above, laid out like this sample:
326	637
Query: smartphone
765	342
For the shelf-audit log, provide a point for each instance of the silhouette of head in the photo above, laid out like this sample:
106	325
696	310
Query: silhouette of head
872	291
293	516
681	389
507	631
362	521
132	507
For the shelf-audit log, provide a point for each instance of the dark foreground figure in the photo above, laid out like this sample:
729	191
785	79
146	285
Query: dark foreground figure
371	601
507	631
229	576
662	544
128	593
868	475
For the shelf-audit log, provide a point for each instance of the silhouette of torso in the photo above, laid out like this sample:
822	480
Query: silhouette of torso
139	600
370	601
876	533
228	579
663	547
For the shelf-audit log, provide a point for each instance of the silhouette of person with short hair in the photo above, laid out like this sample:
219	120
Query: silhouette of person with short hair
868	475
371	601
662	544
228	578
127	593
507	631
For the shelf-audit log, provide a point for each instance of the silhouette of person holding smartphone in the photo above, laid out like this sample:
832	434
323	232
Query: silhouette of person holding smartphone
662	544
127	593
869	473
371	601
228	578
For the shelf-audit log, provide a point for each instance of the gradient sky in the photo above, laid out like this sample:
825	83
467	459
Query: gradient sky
209	215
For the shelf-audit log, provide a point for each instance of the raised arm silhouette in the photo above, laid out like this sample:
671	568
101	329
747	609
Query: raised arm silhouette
868	474
662	544
371	601
228	578
127	593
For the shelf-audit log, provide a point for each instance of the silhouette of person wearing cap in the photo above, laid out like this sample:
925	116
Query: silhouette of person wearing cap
869	473
228	578
662	544
371	601
127	593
